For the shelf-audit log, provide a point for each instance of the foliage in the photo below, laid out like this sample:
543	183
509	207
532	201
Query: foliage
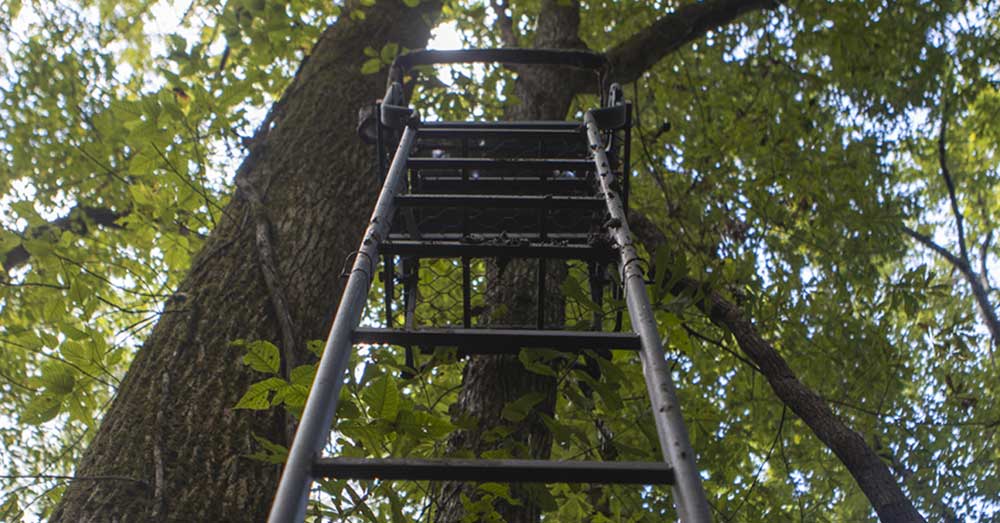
782	155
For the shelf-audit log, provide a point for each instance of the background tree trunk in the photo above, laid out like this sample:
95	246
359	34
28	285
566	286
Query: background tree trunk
492	381
173	426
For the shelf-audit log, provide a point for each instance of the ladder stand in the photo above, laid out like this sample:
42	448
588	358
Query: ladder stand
466	190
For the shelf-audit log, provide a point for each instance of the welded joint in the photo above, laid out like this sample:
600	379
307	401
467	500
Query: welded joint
344	273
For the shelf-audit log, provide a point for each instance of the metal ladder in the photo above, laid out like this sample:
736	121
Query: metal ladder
568	202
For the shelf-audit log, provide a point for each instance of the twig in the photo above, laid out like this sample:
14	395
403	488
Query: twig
950	183
720	345
760	468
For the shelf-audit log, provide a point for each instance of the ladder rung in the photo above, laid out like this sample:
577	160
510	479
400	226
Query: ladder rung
505	132
500	201
523	124
497	470
568	237
496	341
505	185
433	249
500	163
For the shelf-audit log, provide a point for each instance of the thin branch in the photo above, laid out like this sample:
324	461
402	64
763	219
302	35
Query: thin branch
934	246
980	292
200	191
760	468
984	252
950	183
42	353
720	345
77	221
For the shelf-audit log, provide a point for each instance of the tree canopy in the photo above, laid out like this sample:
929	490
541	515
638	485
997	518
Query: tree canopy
826	169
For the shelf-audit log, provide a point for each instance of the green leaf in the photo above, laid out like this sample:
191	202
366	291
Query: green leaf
541	496
257	397
271	452
79	354
263	356
519	409
293	395
382	398
371	66
41	408
11	508
500	490
58	379
142	194
389	52
572	289
316	347
535	361
74	333
411	3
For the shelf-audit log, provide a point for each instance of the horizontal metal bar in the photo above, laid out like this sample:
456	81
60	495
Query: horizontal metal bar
500	201
568	237
497	470
509	55
505	185
498	340
504	132
521	124
500	163
430	249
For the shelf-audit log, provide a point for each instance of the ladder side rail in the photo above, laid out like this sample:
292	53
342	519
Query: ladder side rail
670	428
293	490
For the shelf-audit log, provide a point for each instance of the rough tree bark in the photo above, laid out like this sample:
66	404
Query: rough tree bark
305	192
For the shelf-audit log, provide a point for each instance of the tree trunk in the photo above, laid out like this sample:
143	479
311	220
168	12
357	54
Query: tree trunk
490	382
306	191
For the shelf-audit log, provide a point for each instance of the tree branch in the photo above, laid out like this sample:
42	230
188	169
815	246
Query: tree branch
78	221
868	470
980	289
950	183
984	252
644	49
932	245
